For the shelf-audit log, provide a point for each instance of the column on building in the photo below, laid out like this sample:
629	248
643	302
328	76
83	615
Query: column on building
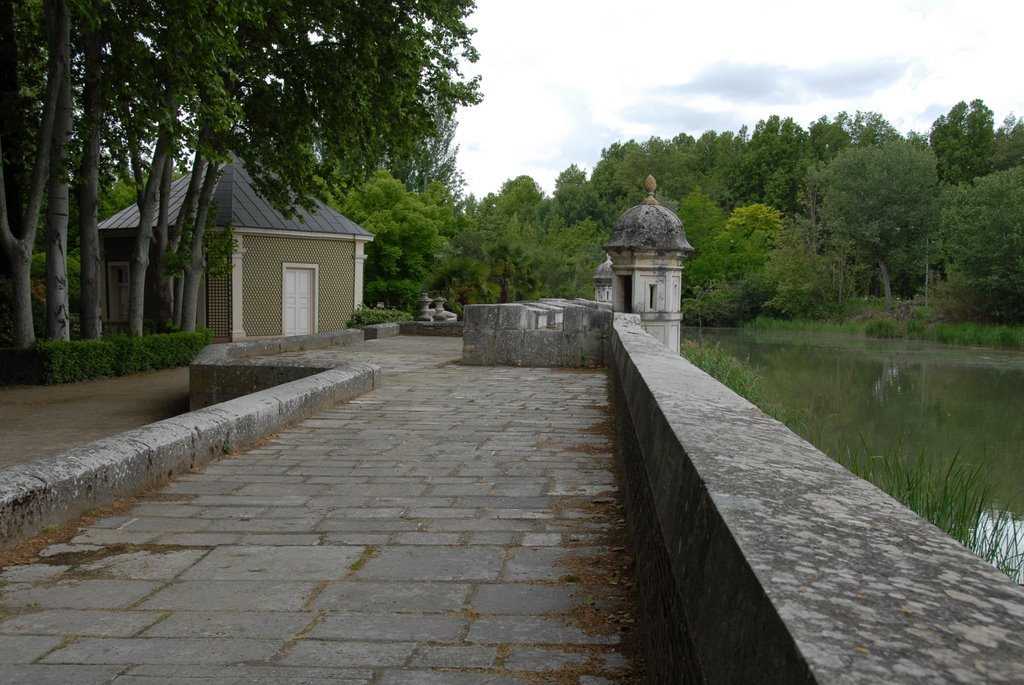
237	300
359	256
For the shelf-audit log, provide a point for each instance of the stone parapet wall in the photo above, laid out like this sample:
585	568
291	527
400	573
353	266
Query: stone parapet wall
761	560
228	370
553	333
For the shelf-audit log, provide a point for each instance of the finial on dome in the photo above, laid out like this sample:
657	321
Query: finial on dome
650	185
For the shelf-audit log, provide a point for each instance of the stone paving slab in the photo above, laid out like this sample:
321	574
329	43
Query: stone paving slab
457	525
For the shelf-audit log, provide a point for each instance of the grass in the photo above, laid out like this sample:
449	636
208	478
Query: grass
956	495
770	324
731	372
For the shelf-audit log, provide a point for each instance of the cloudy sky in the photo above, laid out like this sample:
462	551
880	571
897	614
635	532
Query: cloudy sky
563	79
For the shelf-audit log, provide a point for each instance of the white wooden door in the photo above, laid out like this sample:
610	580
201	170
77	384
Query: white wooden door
298	301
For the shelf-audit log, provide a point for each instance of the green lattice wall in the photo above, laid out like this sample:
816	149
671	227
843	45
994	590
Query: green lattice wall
262	280
218	306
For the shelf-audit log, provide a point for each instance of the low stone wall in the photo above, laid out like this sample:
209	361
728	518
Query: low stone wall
556	333
761	560
56	489
226	371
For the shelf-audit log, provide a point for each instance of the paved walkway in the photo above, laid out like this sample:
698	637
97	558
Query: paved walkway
457	525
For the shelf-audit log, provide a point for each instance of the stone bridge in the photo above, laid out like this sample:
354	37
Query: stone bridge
437	510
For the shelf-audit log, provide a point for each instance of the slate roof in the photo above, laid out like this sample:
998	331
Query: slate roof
238	203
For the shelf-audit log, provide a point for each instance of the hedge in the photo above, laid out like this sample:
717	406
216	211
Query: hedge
370	316
51	361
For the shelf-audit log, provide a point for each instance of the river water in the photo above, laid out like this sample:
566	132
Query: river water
846	391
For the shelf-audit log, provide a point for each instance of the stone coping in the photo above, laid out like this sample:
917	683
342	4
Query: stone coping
774	562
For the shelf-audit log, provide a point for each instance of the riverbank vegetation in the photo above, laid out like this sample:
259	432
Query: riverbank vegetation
955	493
879	326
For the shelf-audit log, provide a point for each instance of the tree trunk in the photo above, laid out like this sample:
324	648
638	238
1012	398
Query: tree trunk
160	247
885	282
18	248
183	226
88	190
197	264
140	256
58	323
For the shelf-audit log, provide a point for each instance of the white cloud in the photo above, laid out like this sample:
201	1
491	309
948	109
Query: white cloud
562	79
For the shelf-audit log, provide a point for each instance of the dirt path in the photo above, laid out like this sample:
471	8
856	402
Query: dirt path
36	420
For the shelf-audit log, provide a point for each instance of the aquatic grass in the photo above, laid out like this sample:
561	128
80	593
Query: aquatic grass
770	324
733	373
737	375
986	335
966	334
957	496
882	328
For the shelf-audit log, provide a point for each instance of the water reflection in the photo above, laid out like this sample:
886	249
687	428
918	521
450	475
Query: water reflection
1000	540
907	395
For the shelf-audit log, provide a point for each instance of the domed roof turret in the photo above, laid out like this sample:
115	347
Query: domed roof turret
649	226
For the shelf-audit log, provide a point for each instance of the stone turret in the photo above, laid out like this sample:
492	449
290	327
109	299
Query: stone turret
647	248
603	282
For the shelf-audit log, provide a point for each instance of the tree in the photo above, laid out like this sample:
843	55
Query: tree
717	158
796	274
58	322
984	229
963	142
512	269
435	159
520	198
407	232
828	138
87	190
1008	145
576	199
462	280
773	164
26	171
746	240
619	175
703	221
883	199
868	129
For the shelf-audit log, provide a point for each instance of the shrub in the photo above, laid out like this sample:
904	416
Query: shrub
915	329
882	328
58	361
368	316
